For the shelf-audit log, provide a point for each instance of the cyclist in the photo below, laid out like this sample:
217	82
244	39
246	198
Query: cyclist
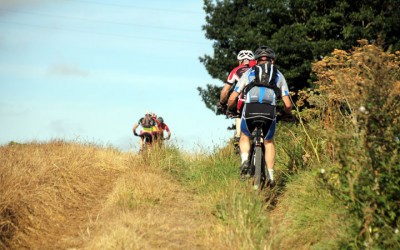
246	61
260	102
162	126
155	126
147	122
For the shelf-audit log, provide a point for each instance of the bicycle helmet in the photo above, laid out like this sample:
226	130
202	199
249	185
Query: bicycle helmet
160	119
245	54
264	51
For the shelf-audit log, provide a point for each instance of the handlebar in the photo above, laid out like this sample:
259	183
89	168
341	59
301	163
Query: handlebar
143	134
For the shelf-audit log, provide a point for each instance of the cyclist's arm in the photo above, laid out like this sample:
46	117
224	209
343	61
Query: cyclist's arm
224	93
169	135
168	131
285	93
287	103
156	121
232	100
243	81
135	126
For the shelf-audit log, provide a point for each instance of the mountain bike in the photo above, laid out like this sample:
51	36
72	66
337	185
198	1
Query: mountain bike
147	141
257	160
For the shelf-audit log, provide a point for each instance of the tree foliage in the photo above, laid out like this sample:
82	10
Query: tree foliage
300	32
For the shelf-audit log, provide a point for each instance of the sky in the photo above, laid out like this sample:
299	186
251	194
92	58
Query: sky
88	70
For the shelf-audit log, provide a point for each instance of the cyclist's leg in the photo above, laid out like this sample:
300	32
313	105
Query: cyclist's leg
244	142
270	150
238	123
141	140
142	134
269	153
141	143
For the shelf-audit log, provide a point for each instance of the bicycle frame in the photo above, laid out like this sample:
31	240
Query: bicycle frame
147	141
257	158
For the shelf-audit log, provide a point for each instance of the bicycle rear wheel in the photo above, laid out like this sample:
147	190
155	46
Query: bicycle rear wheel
258	172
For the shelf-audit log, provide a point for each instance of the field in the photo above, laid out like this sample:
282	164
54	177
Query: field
63	195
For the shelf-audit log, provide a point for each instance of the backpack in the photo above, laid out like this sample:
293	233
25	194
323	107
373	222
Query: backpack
266	75
147	122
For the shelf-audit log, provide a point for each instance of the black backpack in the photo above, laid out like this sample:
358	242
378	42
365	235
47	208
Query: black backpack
266	75
147	122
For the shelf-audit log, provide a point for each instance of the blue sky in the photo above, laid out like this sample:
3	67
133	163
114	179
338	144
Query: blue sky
87	70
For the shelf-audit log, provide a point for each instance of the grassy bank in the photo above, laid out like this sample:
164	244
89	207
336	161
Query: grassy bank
66	195
50	192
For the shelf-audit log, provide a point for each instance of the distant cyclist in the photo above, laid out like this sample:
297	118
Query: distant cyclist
162	126
245	60
260	103
147	123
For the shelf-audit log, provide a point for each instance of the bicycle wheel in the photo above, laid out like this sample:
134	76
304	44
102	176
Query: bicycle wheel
258	173
144	145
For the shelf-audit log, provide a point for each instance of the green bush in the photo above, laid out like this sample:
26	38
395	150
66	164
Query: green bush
359	95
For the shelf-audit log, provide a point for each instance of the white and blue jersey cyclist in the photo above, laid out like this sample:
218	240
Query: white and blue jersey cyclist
259	102
260	88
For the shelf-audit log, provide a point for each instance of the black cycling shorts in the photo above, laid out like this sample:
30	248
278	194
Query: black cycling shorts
254	113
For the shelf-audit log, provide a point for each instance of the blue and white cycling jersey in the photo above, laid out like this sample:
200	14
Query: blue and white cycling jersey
259	94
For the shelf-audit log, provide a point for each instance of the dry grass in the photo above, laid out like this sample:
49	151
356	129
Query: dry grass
62	195
49	192
147	210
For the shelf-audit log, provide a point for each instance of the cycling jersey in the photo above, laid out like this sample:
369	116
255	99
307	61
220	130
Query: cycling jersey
162	127
261	94
259	102
236	73
147	124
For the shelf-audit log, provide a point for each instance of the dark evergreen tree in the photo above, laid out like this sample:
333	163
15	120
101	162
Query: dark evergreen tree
300	32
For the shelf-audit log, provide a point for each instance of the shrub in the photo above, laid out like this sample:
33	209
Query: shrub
357	99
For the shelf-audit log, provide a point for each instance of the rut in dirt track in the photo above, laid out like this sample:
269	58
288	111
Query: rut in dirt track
68	196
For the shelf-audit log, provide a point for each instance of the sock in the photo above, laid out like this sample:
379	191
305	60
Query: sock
271	174
244	156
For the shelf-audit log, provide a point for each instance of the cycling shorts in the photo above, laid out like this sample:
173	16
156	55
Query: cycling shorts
256	112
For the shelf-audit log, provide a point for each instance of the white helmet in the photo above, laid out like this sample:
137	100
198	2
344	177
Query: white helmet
245	54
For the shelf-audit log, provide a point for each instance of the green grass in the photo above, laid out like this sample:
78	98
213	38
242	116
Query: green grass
309	217
298	213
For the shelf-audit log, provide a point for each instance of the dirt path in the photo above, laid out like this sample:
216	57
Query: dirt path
149	210
68	196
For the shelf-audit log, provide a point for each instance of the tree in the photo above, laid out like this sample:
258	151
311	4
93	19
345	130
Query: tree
300	32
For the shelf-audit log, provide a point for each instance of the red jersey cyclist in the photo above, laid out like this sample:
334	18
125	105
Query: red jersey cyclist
245	60
161	127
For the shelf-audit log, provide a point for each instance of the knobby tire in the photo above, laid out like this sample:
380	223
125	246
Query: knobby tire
258	173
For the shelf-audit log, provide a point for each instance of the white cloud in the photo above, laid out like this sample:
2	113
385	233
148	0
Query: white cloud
67	70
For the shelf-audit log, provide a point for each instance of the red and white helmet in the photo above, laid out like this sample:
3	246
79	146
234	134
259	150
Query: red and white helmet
245	54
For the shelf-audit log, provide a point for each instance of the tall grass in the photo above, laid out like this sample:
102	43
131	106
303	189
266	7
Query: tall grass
65	195
245	219
49	192
353	118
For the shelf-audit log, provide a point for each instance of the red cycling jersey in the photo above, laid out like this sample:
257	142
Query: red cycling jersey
237	72
163	127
